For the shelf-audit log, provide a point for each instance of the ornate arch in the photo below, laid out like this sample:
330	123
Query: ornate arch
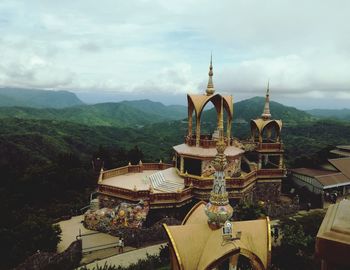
272	124
198	103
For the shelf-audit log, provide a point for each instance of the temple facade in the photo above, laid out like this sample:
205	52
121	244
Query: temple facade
253	172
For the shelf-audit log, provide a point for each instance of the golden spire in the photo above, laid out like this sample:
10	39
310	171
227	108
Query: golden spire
210	88
220	161
266	113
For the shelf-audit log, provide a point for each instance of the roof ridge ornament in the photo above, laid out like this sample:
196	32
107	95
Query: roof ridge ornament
266	113
210	87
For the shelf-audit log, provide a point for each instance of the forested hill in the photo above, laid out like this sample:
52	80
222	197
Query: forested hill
122	114
143	112
341	114
245	110
37	98
172	112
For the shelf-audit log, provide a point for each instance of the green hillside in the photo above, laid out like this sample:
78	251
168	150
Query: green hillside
245	110
173	112
252	108
37	98
341	114
53	159
122	114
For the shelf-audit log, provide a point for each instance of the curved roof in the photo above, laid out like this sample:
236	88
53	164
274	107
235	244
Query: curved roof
261	123
199	101
197	246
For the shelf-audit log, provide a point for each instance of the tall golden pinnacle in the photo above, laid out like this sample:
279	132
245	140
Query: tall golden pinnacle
266	113
210	88
218	208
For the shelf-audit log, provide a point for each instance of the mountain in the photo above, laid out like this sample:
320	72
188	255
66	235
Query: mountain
139	113
342	114
37	98
122	114
173	112
245	110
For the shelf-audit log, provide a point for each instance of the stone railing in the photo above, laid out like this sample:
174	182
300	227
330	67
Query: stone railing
154	198
134	169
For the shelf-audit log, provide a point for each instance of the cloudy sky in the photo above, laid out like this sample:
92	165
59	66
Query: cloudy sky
112	50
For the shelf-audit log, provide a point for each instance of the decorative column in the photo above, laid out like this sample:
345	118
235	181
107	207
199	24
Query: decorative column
218	208
281	162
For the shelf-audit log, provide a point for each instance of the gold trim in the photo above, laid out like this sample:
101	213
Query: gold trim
269	242
223	258
172	242
192	210
253	258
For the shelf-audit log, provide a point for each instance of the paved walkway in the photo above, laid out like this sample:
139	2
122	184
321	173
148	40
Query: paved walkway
70	229
127	258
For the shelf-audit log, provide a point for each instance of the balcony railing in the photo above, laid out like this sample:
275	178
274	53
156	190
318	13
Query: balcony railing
207	182
134	169
269	146
271	172
153	198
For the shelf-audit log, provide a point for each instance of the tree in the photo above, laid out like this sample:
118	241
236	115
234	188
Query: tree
247	211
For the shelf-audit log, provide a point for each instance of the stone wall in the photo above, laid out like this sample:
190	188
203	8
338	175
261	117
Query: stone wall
69	259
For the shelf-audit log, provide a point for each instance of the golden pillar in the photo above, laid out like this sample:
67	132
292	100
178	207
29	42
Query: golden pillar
281	162
198	131
228	131
189	124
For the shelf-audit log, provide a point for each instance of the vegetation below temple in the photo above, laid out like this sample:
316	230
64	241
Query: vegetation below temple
46	163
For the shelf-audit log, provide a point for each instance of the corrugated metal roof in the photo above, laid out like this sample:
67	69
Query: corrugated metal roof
336	179
342	164
311	172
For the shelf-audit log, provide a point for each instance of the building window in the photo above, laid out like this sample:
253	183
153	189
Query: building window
192	166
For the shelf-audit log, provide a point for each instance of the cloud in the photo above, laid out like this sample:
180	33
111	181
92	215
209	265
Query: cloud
134	46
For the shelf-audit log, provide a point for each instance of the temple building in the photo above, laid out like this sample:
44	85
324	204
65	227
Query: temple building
254	169
207	238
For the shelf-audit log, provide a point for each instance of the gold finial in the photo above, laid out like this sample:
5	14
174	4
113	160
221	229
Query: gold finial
210	87
266	113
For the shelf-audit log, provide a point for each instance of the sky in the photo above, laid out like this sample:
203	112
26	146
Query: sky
115	50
